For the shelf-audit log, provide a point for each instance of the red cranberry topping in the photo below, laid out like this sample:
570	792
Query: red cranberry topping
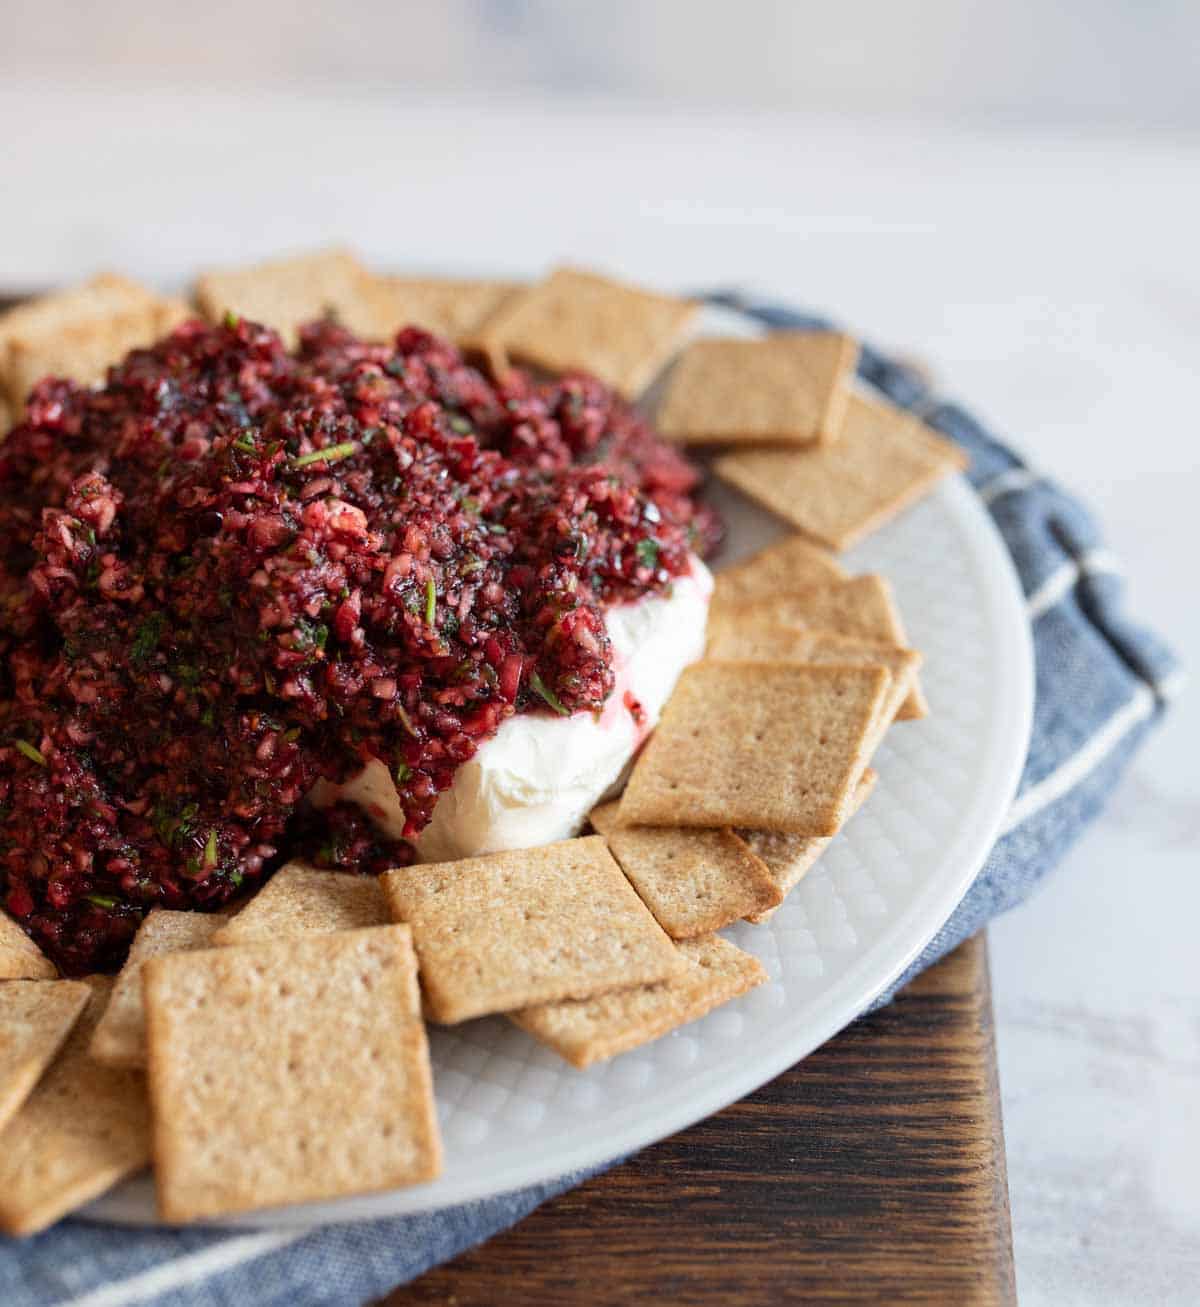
233	571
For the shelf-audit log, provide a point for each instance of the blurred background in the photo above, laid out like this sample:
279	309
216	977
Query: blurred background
1008	191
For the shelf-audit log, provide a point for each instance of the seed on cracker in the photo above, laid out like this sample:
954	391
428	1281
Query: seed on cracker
860	606
301	900
35	1018
120	1038
285	293
778	644
694	881
83	1128
590	1030
447	307
508	930
788	858
883	460
792	564
20	957
288	1072
788	388
773	746
575	320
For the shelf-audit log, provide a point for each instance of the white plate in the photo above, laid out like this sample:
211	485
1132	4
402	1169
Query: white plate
512	1113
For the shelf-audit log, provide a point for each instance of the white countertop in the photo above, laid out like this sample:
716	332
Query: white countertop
1051	282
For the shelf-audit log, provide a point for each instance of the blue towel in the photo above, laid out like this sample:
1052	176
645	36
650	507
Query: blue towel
1102	682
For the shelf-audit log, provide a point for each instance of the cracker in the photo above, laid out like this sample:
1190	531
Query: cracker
772	746
20	957
860	606
694	881
288	1072
771	644
883	460
788	858
78	333
589	1030
793	563
120	1038
508	930
35	1019
452	308
787	388
285	293
84	1127
301	900
575	320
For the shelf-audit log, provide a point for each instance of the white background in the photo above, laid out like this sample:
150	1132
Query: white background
1023	219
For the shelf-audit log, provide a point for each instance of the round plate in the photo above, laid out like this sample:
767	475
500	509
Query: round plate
512	1113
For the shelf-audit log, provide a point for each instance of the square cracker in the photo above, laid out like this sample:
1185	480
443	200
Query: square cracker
301	900
860	606
508	930
455	309
35	1019
778	644
787	388
288	1072
20	957
84	1127
788	858
285	293
773	746
883	460
793	563
120	1038
578	321
589	1030
694	881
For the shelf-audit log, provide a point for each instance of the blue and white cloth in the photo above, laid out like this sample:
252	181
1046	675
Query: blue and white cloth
1101	684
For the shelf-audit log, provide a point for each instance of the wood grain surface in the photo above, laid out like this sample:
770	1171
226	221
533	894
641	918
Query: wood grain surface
871	1172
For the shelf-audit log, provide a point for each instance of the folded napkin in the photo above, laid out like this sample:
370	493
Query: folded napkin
1101	684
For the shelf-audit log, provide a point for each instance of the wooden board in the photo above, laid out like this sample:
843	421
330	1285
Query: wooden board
871	1172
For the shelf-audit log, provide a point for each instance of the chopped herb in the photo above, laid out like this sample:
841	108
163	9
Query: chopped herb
147	636
395	367
402	773
208	717
461	425
331	454
548	694
102	900
235	879
246	442
210	848
34	755
309	635
647	553
497	530
430	602
405	719
232	320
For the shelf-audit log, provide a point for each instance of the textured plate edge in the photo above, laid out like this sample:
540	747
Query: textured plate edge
838	1007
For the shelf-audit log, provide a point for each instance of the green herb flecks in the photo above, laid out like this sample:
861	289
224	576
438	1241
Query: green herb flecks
331	454
210	848
540	687
102	900
430	602
32	753
647	553
147	636
232	320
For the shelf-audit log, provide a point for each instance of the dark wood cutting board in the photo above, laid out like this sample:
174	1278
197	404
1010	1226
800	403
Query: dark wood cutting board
871	1172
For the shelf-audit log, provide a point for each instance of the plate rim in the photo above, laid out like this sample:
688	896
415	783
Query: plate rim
832	1011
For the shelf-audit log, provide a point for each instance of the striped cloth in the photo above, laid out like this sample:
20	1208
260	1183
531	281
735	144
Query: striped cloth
1101	684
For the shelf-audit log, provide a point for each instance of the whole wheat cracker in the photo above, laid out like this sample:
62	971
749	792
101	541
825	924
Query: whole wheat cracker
787	388
285	293
120	1037
20	957
773	746
288	1072
859	606
694	881
789	858
590	1030
790	564
36	1016
508	930
301	900
882	461
576	320
450	307
83	1128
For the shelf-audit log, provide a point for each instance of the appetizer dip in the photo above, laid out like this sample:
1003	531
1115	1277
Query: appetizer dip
356	603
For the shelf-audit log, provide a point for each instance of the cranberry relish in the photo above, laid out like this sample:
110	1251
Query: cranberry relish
233	571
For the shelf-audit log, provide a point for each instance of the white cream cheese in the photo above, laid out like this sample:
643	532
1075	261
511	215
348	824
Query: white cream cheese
537	778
